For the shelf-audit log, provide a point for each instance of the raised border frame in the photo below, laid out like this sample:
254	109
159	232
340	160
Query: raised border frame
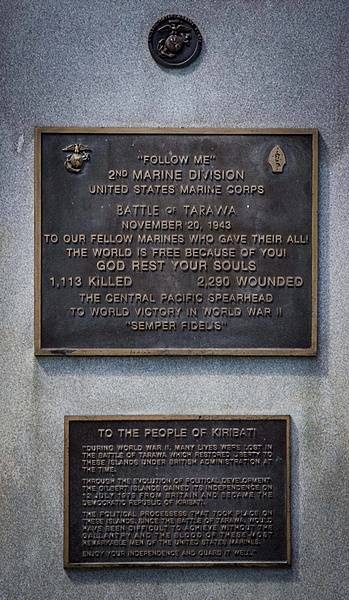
287	491
40	351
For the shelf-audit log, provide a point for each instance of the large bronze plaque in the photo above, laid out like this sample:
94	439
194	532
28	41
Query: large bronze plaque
176	491
176	241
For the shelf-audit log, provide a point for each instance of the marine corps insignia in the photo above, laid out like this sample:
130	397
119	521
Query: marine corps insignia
175	37
75	161
277	159
175	41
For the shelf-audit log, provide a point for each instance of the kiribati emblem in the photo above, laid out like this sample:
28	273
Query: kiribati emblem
75	161
277	159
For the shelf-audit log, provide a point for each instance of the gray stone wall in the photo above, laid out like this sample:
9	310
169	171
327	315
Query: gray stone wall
264	64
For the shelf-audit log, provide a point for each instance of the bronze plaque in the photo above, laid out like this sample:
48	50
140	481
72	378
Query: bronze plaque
174	41
176	491
176	241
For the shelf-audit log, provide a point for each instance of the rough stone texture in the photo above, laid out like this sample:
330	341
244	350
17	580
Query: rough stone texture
264	64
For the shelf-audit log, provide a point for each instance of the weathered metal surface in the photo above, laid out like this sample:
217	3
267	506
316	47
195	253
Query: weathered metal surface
174	491
176	241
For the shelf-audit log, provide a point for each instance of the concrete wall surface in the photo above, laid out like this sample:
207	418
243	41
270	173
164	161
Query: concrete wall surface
264	64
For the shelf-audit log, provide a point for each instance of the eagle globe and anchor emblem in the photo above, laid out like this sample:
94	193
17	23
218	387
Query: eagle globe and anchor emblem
175	41
175	37
74	162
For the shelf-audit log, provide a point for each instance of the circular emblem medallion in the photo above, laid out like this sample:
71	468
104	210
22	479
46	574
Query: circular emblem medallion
174	41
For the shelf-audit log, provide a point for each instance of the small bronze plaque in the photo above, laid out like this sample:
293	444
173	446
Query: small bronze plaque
176	242
176	491
175	41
